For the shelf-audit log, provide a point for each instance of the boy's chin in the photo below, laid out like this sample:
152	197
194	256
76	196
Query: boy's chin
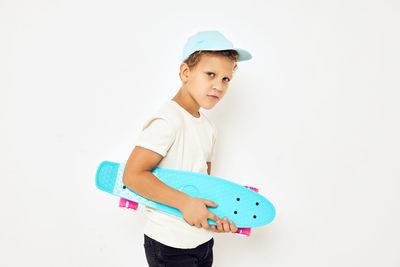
208	106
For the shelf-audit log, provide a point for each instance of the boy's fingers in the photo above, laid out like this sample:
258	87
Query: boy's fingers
219	226
233	227
205	224
209	203
213	217
226	225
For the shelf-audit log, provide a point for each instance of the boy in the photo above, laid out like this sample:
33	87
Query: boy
180	136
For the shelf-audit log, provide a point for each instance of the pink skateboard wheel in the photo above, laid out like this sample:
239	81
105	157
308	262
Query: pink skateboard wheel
243	231
125	203
252	188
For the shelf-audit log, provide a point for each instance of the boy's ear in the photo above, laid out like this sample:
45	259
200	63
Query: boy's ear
184	71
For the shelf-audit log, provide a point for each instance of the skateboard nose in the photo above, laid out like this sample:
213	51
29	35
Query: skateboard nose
105	170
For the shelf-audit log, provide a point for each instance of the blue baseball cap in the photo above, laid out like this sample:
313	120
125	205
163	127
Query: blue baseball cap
211	40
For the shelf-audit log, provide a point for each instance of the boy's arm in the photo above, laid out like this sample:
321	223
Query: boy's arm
138	177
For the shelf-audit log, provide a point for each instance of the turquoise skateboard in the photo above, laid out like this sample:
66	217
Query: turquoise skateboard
240	204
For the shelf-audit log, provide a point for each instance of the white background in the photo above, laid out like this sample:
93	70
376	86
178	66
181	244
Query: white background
313	121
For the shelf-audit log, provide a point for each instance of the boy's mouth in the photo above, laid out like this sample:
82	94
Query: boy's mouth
213	96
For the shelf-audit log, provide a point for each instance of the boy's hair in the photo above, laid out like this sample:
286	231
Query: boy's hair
195	57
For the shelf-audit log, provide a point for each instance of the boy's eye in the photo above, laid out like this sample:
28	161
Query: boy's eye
226	79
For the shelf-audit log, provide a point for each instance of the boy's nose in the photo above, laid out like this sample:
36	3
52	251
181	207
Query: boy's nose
218	86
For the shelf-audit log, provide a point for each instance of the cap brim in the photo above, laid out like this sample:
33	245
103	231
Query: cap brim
243	54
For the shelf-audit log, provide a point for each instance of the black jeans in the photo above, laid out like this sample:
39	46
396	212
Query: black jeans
158	254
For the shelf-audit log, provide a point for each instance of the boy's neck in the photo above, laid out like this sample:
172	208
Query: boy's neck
185	100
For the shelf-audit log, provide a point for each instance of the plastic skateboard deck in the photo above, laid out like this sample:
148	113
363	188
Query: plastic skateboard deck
238	203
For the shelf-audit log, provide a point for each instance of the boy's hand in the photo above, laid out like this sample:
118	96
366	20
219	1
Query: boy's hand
195	212
224	227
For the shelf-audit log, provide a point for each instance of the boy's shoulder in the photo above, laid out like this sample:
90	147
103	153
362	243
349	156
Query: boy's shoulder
168	113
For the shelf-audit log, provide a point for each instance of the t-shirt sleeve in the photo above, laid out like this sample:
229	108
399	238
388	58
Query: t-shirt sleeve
211	158
158	135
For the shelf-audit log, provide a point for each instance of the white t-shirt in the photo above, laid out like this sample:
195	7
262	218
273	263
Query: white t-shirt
186	143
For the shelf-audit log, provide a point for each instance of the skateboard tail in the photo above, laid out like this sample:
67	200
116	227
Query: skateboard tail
246	231
271	211
106	170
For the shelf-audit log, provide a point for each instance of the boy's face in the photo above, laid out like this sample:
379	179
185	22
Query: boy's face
209	78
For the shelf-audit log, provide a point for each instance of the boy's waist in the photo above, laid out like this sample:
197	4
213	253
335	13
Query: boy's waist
174	231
